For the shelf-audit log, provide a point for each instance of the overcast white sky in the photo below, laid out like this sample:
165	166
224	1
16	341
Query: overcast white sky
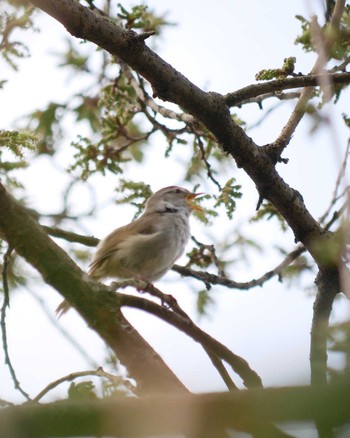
220	48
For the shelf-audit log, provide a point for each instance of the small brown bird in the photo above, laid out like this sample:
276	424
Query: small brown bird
149	246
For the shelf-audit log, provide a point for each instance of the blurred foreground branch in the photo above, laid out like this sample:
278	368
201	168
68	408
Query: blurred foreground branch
195	415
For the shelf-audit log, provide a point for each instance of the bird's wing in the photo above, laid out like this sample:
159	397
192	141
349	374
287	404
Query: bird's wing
110	245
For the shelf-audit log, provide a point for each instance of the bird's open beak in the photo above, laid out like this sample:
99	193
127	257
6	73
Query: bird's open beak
192	205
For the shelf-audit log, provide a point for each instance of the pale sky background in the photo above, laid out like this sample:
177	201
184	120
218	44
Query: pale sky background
219	47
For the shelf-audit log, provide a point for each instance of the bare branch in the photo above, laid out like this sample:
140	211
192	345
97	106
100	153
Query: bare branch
231	284
5	305
336	195
100	372
69	236
244	95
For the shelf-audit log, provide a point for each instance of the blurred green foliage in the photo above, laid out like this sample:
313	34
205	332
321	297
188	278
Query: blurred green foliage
228	196
267	212
14	16
14	148
339	40
82	391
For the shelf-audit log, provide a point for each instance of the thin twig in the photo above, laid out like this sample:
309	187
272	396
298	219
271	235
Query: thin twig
70	236
72	376
5	304
336	196
231	284
206	162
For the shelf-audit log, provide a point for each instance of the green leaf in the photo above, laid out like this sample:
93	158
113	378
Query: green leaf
134	193
268	211
229	194
204	302
81	391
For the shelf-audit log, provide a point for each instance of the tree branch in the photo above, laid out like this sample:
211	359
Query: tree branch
5	305
100	372
208	278
200	415
69	236
328	286
239	97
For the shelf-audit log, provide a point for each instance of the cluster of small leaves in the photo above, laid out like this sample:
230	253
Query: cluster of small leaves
346	119
228	196
305	38
82	391
16	276
268	211
287	69
204	302
139	17
113	114
338	341
113	389
134	193
13	147
17	142
340	38
72	58
207	214
86	389
96	157
331	251
204	256
87	110
12	50
337	90
300	265
118	106
240	122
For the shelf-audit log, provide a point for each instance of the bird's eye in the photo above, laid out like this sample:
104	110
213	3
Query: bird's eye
177	191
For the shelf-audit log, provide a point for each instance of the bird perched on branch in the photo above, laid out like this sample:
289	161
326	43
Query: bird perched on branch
149	246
